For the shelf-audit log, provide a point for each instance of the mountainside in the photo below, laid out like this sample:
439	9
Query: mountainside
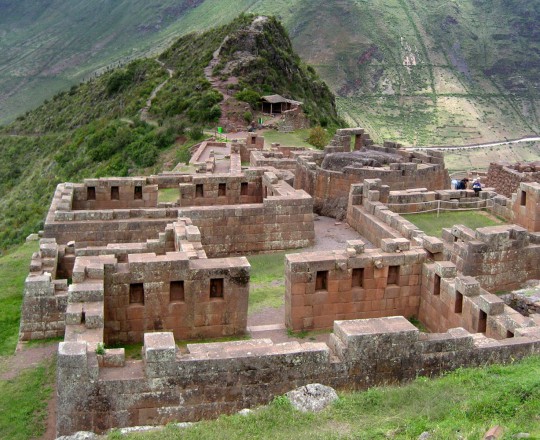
107	127
410	70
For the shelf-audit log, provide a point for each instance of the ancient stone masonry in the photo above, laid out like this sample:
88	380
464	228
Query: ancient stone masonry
115	266
500	257
353	284
211	379
284	220
45	297
327	176
505	177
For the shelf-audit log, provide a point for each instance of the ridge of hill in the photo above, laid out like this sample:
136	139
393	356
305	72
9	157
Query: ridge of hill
418	72
95	129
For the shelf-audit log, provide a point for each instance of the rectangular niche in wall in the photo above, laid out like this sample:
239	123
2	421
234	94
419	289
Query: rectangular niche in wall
136	293
358	277
222	189
458	307
523	200
177	291
482	321
244	189
137	195
321	282
91	193
199	192
216	288
115	193
436	285
393	275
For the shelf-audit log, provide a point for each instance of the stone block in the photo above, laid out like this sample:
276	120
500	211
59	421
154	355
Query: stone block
159	347
467	286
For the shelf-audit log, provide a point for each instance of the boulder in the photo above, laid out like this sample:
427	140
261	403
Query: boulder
312	398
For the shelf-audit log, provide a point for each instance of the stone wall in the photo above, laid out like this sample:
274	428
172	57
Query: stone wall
450	300
505	177
101	227
323	287
222	189
44	298
500	257
253	142
212	379
198	298
526	206
284	220
117	193
273	159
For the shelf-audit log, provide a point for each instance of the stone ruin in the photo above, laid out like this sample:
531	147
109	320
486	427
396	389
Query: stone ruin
116	266
505	177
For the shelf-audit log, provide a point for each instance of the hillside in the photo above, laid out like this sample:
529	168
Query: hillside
420	72
95	129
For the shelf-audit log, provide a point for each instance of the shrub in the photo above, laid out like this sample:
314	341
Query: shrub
248	117
318	137
249	96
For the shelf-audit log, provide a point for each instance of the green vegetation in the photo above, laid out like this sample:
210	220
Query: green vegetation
318	137
168	195
433	225
294	139
23	402
462	404
13	271
267	281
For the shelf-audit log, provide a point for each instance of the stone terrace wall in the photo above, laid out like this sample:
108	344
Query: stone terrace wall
212	379
330	189
283	221
222	189
44	298
505	177
500	257
450	300
323	287
117	193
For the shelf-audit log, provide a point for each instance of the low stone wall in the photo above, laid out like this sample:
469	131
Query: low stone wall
323	287
273	159
505	178
212	379
284	220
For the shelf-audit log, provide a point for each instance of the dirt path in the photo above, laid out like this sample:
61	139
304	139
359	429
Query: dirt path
145	116
25	357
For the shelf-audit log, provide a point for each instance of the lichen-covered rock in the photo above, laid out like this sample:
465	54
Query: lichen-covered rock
312	398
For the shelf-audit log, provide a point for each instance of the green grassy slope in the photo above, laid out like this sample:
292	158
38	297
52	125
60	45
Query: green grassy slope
471	72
